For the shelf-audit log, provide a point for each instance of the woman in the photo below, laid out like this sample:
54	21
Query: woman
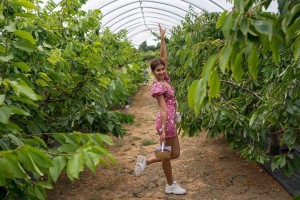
164	93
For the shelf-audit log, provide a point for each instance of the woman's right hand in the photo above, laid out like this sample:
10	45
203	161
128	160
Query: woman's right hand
163	136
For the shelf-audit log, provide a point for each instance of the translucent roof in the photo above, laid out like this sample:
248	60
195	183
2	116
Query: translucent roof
140	17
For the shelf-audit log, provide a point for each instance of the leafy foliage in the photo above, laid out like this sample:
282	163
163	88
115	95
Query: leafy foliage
59	80
247	73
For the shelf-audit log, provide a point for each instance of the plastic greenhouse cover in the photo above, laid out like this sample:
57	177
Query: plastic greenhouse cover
140	17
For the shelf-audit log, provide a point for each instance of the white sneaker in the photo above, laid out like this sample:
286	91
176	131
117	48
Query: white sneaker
140	165
174	189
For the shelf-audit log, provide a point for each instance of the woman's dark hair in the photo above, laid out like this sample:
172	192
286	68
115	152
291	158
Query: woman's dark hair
155	63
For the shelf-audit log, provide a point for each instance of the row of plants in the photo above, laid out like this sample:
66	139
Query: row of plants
242	70
60	82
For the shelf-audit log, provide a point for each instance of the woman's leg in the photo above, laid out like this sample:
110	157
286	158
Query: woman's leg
166	163
174	143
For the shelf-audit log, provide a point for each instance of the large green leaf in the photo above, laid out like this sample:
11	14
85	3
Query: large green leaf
106	139
75	166
208	68
240	5
25	35
5	113
89	162
23	89
59	163
199	95
11	167
275	49
221	19
21	65
18	111
40	157
296	49
191	93
224	58
264	27
25	4
226	28
237	68
290	33
214	84
11	27
245	26
24	45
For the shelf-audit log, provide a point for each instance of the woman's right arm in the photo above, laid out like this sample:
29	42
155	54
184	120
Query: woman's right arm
163	112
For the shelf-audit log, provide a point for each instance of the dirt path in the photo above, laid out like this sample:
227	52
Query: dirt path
208	169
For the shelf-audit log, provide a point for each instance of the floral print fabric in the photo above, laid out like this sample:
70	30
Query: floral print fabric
158	89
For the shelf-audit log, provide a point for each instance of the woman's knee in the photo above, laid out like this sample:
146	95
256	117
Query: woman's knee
175	155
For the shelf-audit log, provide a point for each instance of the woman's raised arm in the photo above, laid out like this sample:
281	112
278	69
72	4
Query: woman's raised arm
163	49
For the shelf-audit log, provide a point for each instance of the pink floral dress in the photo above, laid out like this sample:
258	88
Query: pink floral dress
158	89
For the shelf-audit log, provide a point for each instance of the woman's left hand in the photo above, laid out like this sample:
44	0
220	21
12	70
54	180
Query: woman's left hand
161	30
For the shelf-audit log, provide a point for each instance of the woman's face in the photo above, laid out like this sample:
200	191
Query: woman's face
159	72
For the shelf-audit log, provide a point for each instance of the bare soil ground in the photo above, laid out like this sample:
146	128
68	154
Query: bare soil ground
207	168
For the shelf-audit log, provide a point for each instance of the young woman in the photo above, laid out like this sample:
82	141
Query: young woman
163	91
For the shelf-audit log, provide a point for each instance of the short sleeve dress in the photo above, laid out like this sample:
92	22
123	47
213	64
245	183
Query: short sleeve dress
158	89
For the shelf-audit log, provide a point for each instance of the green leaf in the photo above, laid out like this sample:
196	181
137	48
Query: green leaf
253	62
227	25
214	84
106	139
24	100
26	15
245	26
237	69
24	45
88	160
221	19
11	27
21	65
90	119
191	93
264	27
296	48
208	67
25	4
59	137
41	82
67	148
35	167
75	166
59	164
291	31
40	158
45	76
252	119
200	94
18	111
275	49
224	58
240	5
25	35
40	192
7	58
5	113
12	168
23	89
2	98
